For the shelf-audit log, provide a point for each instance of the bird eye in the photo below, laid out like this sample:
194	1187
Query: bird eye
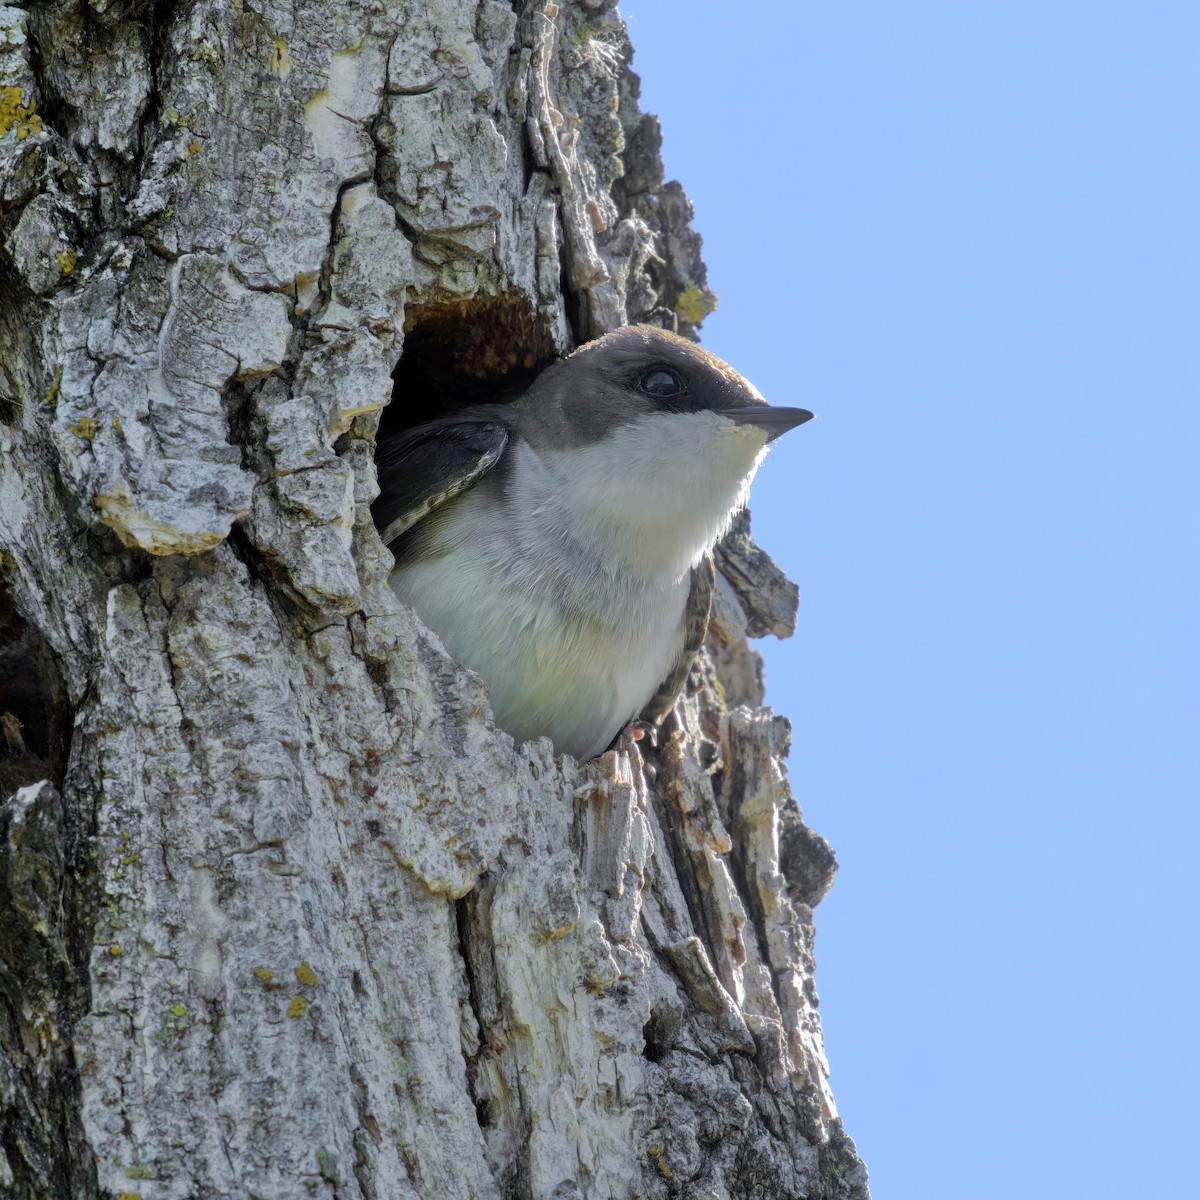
661	383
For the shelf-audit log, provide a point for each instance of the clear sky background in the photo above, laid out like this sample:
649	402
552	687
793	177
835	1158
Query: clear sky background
967	235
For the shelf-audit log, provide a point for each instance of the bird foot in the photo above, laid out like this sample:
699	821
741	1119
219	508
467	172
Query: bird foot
643	731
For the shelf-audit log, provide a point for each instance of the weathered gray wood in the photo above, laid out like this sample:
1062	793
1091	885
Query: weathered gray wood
281	914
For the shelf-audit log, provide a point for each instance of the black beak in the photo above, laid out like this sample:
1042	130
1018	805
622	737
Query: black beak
776	421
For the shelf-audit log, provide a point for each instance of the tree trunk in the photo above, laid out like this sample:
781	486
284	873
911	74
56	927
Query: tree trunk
281	914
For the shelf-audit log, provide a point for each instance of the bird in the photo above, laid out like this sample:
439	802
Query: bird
560	545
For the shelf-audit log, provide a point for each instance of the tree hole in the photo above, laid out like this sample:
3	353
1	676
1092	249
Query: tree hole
486	349
660	1033
35	715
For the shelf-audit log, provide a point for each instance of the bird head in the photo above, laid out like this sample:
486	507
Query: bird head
655	439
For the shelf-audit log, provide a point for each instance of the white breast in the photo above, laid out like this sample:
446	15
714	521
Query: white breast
565	590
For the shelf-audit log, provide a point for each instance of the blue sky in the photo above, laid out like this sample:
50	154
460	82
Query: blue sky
967	235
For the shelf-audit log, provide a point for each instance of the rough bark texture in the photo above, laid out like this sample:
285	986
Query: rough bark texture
280	913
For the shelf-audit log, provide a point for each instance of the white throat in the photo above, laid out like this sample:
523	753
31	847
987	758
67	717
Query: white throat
653	496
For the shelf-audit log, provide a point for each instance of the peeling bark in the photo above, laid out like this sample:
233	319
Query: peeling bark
281	913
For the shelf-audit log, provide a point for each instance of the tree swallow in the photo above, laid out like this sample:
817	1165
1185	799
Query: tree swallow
560	545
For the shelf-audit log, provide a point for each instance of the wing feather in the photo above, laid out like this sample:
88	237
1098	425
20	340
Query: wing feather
420	469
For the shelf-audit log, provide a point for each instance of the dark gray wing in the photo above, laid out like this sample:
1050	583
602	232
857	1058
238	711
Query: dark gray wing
695	628
421	468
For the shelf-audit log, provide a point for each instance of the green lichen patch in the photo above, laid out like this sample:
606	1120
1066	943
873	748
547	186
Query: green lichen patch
656	1153
306	975
175	1023
330	1167
15	114
695	304
55	385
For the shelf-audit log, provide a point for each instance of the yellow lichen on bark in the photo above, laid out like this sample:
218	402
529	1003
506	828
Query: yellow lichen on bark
16	115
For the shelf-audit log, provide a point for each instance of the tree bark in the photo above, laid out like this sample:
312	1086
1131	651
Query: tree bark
281	914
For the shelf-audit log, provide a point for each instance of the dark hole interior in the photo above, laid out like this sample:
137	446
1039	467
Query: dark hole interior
486	349
660	1033
35	715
